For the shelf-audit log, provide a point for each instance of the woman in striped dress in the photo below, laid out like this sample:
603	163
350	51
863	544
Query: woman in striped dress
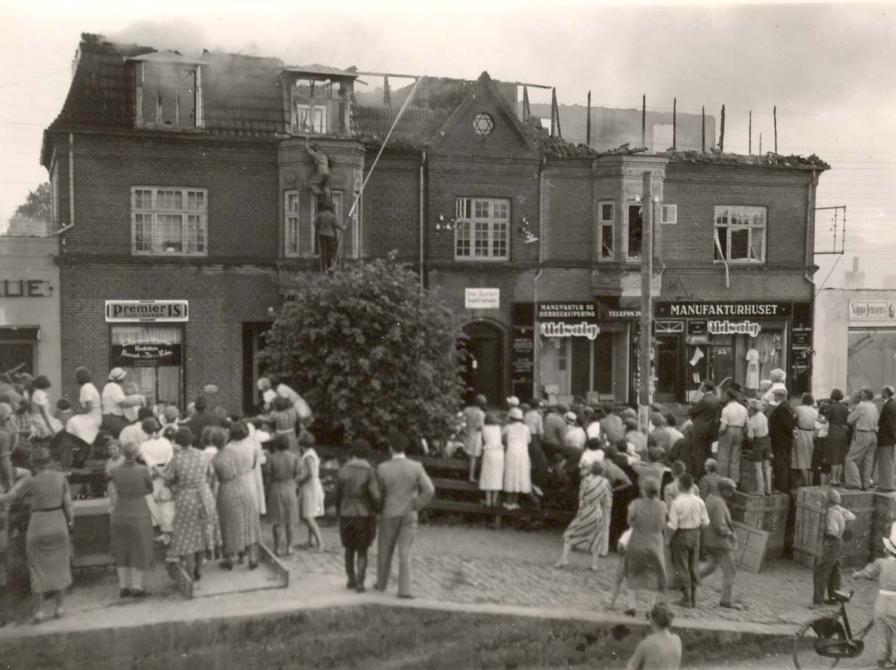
47	543
585	531
285	418
237	511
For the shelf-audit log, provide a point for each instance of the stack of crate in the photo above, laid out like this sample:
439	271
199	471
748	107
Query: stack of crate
768	513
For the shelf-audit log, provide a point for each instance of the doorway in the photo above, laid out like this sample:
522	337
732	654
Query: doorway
484	369
253	343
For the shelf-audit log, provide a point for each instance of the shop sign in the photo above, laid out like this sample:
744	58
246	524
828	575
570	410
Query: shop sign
559	312
707	310
140	354
875	310
563	329
617	314
118	311
482	298
25	288
750	328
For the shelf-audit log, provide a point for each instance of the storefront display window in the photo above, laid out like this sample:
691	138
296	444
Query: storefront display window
152	355
871	358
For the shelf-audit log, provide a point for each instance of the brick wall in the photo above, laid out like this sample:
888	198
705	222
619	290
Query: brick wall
241	178
568	232
220	300
391	206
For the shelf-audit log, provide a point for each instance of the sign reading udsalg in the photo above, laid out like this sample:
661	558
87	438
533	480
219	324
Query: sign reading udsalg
482	298
152	311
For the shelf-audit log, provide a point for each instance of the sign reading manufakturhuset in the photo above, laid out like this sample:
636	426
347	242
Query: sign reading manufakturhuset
761	310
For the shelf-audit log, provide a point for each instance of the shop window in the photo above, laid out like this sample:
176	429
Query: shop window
18	347
482	229
169	221
635	232
169	95
606	219
740	234
291	223
592	365
310	119
152	355
871	358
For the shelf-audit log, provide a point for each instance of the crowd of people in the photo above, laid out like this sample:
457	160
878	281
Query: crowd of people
196	484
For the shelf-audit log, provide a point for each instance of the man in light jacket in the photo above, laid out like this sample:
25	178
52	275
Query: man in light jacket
720	540
406	489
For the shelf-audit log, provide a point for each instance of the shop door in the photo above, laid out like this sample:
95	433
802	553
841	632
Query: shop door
253	343
668	368
484	372
17	349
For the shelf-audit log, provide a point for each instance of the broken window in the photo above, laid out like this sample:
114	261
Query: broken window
606	214
635	232
168	95
740	234
169	221
482	228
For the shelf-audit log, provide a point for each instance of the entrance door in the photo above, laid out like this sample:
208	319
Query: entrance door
668	368
253	342
485	361
17	349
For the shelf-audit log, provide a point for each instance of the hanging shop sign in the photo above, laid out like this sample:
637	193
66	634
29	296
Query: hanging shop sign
482	298
750	328
568	319
872	310
152	311
143	354
723	310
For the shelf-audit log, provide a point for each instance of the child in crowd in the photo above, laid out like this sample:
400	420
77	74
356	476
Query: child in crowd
760	442
660	649
710	481
884	570
135	401
671	490
826	575
64	411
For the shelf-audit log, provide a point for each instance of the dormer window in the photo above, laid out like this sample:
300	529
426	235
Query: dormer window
319	99
169	91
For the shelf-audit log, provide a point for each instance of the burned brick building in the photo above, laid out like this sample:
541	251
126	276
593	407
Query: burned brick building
185	190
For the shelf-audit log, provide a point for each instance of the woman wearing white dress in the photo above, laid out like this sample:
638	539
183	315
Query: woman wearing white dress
491	476
311	491
86	424
517	467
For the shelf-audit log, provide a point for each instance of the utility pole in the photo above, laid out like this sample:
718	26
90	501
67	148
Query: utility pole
647	212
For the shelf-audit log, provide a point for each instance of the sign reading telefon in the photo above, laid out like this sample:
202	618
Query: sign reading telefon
568	319
152	311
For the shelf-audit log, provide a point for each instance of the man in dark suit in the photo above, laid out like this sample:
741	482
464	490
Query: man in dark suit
406	489
886	441
704	416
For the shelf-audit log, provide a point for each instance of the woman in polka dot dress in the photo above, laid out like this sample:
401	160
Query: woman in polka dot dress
189	475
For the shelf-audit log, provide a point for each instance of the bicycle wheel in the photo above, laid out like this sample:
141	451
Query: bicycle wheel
804	655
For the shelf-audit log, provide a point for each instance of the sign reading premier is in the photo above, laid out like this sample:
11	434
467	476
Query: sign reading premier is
119	311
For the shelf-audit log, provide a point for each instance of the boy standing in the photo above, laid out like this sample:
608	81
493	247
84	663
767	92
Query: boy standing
827	566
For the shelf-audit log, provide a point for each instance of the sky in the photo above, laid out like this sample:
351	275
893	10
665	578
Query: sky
828	68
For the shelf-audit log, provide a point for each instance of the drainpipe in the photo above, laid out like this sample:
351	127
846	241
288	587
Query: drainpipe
813	183
422	220
71	181
536	340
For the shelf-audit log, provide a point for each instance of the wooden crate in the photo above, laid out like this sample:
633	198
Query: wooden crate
747	475
768	513
91	533
811	512
884	515
752	544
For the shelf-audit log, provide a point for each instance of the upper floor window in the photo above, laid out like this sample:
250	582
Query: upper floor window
482	228
740	233
635	232
169	95
310	119
291	223
169	220
606	219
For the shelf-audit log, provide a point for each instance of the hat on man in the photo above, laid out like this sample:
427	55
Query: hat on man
727	484
779	389
117	375
515	414
561	407
570	417
513	401
834	497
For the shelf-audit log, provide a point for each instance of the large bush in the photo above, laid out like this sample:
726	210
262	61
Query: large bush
369	351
